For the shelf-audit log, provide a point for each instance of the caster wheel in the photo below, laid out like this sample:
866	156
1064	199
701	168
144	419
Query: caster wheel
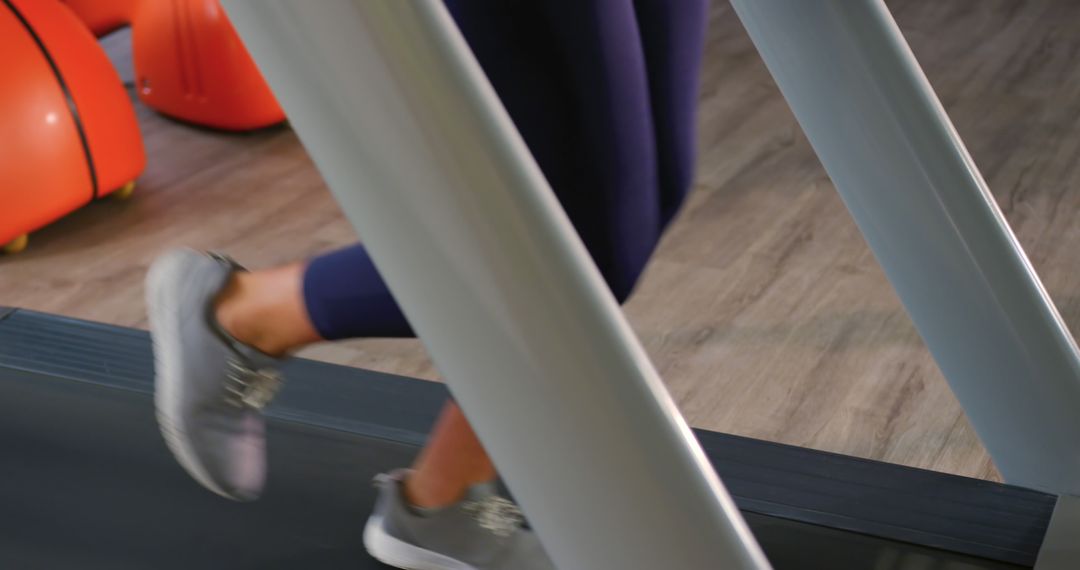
16	245
125	191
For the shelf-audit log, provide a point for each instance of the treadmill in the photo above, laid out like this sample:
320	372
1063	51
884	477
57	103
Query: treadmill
87	482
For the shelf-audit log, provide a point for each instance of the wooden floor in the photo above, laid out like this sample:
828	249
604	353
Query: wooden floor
764	311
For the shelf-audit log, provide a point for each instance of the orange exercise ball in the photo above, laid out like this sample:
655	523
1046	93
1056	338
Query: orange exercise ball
189	61
68	132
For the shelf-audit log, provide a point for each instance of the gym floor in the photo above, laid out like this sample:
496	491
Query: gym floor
764	310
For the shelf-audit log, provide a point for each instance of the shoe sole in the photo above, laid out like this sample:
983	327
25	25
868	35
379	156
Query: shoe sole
164	326
400	554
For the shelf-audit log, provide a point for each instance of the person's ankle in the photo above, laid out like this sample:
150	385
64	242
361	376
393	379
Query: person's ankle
239	316
265	309
423	498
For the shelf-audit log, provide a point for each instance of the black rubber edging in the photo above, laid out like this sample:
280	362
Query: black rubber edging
958	514
72	107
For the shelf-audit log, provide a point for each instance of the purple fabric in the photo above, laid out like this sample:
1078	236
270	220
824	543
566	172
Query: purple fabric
604	93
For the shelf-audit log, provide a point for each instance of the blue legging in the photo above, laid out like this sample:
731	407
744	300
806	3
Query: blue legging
604	94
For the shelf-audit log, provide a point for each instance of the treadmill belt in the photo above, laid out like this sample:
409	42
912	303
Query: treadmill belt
86	481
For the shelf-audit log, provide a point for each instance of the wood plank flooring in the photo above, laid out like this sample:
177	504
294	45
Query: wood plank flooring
764	310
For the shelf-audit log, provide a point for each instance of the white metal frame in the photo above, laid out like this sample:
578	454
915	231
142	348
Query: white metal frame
418	150
926	212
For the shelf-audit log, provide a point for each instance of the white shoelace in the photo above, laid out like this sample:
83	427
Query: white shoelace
495	514
247	387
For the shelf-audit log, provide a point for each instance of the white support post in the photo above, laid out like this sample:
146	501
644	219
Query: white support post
926	212
426	164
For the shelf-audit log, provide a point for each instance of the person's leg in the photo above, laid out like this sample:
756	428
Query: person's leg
336	296
604	94
672	36
572	77
452	461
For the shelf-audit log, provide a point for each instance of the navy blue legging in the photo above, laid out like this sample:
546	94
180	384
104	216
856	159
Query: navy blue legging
604	94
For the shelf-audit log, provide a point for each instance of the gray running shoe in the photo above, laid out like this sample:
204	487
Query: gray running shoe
482	532
209	389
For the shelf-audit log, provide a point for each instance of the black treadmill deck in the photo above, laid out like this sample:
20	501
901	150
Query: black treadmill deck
88	483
